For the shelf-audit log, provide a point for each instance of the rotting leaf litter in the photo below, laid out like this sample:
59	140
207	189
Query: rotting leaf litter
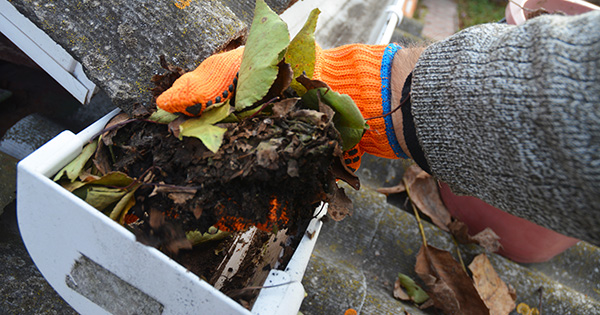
266	159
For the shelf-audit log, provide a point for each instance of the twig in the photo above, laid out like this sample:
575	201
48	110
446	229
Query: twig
263	106
525	9
242	290
462	262
416	214
541	289
172	186
392	111
115	126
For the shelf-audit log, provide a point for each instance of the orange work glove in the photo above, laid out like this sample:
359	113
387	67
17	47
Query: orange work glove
361	71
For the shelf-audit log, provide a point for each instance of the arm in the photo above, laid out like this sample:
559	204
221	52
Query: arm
511	115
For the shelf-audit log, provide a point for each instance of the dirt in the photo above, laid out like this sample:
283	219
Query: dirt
253	197
272	171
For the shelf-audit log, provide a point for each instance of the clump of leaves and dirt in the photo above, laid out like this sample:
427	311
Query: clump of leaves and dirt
267	159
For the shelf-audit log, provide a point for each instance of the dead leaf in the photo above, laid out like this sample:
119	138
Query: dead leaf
292	169
341	171
310	84
107	136
282	108
174	126
285	75
75	167
491	288
122	207
180	197
319	119
460	231
140	110
399	291
327	110
102	159
266	155
392	190
487	238
448	284
425	195
340	205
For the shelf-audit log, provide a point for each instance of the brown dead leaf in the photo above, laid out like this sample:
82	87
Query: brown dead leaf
491	288
266	155
107	136
284	78
399	292
140	110
319	119
487	238
292	169
87	176
448	284
174	126
460	231
180	197
340	170
392	190
425	195
102	159
339	205
285	106
310	84
326	109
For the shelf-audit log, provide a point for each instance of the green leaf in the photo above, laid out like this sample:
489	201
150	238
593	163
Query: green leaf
203	129
265	48
213	234
413	290
116	179
74	168
348	120
121	208
301	54
161	116
101	197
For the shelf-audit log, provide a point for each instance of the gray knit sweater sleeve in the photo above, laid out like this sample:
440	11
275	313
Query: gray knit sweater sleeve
512	115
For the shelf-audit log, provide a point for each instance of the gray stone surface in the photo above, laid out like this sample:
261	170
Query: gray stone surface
356	261
23	289
8	175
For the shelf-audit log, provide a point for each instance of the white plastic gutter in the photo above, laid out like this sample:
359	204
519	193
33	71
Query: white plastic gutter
395	15
44	51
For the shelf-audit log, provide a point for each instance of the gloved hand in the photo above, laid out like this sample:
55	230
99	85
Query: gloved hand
361	71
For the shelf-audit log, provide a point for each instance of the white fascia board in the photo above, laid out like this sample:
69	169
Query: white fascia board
44	51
